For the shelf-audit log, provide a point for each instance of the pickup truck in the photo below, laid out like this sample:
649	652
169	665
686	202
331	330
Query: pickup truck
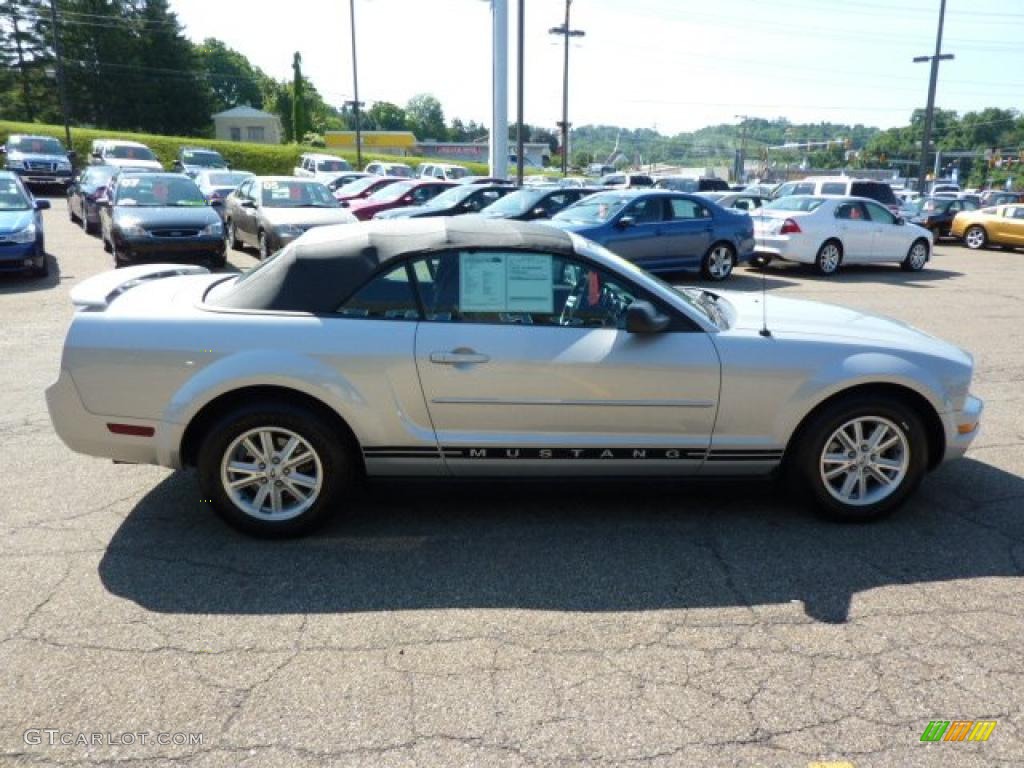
38	160
323	168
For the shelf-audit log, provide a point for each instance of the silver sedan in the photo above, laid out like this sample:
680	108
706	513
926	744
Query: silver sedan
453	348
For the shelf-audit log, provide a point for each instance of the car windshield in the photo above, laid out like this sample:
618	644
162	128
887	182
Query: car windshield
450	197
226	179
398	170
36	145
594	210
934	206
795	203
359	186
205	158
296	194
127	152
515	204
155	191
677	185
455	172
331	166
391	191
98	174
11	196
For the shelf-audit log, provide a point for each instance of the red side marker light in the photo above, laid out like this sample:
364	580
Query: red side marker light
131	429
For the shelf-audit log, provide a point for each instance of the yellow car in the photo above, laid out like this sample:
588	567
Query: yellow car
1001	225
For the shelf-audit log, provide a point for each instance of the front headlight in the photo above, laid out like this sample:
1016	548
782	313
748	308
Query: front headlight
63	165
14	163
213	230
289	230
132	229
26	235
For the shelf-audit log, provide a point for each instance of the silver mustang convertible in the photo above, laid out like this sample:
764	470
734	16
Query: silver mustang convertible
453	347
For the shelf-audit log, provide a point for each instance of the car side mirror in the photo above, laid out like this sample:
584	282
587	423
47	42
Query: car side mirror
102	199
42	205
407	199
642	317
248	203
218	203
625	221
900	221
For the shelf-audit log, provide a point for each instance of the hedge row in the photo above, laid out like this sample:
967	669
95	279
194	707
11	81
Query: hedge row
261	159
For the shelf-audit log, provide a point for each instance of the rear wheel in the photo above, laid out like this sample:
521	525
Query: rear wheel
71	213
861	457
829	257
273	469
264	246
975	238
718	262
232	236
916	258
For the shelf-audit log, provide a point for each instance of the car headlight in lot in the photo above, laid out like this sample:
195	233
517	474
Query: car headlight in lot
212	230
14	164
133	229
289	230
26	235
63	165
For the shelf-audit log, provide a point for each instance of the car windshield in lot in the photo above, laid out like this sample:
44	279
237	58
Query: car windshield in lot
226	179
596	209
205	158
11	197
795	203
516	203
391	192
156	191
126	152
98	175
934	205
36	145
450	197
359	186
296	194
331	166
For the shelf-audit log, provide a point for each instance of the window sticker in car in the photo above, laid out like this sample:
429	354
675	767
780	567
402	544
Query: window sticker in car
505	282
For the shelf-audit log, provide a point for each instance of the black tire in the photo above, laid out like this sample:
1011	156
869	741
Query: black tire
718	262
232	236
219	262
264	246
119	260
975	237
106	246
71	214
337	466
807	458
760	260
44	269
828	261
88	227
915	260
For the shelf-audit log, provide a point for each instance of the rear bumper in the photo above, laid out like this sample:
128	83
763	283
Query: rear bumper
785	248
968	419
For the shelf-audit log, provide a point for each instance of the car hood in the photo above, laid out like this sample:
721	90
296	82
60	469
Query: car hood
573	226
413	212
306	217
813	319
14	221
127	163
191	216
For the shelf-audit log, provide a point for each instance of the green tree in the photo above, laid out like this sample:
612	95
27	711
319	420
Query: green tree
299	122
385	116
425	117
231	78
24	50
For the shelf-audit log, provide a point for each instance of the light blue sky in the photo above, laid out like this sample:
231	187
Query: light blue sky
674	64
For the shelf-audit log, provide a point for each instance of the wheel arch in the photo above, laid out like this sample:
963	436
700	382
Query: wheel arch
934	430
225	402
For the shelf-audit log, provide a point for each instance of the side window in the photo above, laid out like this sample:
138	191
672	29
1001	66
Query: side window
1018	213
685	209
482	199
386	297
955	206
520	288
422	194
851	211
647	210
833	188
878	213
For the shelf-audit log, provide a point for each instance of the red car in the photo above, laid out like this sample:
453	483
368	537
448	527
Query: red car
364	187
398	195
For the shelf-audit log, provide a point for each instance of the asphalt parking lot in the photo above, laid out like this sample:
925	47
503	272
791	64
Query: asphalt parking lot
515	625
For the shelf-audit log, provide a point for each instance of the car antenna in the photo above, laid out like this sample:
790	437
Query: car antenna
764	303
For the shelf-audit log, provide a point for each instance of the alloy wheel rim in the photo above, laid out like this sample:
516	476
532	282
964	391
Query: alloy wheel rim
830	258
975	238
865	461
720	263
271	473
918	255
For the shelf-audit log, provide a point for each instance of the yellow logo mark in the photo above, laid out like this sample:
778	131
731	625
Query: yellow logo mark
982	730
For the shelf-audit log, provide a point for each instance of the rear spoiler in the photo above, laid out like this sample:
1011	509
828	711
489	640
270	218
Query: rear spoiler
97	292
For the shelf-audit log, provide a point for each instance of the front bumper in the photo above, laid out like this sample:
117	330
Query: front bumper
43	177
15	257
169	249
962	427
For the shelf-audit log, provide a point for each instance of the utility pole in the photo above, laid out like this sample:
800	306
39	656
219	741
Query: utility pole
930	109
355	103
521	59
741	161
566	31
498	165
60	75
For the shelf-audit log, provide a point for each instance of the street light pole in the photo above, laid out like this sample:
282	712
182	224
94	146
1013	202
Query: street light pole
355	90
520	78
930	109
566	32
60	75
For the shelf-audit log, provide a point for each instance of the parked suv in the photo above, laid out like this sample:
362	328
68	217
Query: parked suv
37	159
192	160
442	171
390	169
124	155
691	185
323	168
626	181
846	186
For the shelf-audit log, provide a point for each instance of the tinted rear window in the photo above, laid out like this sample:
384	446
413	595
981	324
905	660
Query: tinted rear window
833	188
875	190
714	184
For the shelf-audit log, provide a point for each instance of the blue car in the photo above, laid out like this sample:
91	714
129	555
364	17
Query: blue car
21	228
664	231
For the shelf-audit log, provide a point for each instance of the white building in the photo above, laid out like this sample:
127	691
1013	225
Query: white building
247	124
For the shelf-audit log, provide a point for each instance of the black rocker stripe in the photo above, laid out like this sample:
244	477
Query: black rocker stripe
511	453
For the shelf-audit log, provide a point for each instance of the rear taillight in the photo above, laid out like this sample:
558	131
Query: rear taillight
790	227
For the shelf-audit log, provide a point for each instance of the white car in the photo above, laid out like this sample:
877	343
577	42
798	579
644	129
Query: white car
390	169
445	171
831	231
323	168
126	155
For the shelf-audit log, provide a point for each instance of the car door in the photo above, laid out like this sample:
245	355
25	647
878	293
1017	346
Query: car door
856	231
690	230
526	366
1014	226
889	241
244	216
635	234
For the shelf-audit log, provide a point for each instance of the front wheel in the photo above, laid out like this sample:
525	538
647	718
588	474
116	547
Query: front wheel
975	238
916	258
264	247
829	257
232	236
718	262
861	457
273	469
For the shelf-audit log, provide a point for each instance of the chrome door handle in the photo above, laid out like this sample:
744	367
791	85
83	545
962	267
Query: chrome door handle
458	357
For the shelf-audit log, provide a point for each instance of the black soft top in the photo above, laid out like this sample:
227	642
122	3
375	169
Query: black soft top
328	264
